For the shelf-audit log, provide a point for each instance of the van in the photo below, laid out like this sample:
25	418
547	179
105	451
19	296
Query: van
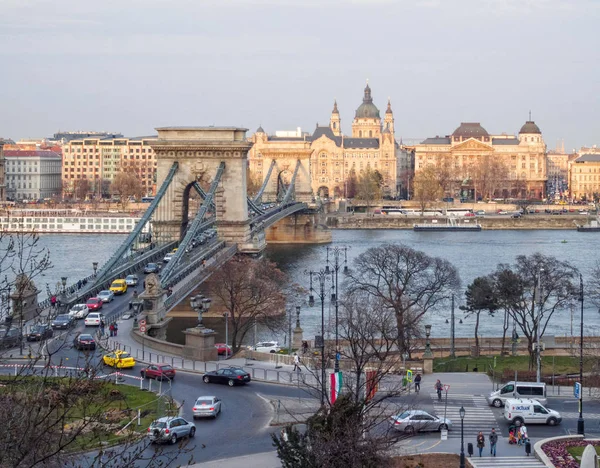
529	411
535	390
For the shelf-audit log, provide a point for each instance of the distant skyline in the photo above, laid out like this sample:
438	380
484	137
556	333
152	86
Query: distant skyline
130	66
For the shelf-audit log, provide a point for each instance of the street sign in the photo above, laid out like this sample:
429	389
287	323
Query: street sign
577	390
142	323
444	433
142	328
409	375
446	387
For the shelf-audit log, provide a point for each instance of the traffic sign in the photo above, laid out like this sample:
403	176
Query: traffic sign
142	328
577	390
142	323
409	375
446	387
444	433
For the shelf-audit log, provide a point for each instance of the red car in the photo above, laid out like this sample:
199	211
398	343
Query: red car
158	372
93	303
222	348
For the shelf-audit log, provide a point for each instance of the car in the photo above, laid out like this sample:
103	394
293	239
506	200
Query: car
151	268
106	295
414	421
230	376
502	212
521	411
168	257
267	347
222	348
480	213
10	337
84	341
158	372
118	359
583	212
93	319
516	215
79	311
207	406
556	212
62	322
170	429
469	214
131	280
118	287
39	333
94	303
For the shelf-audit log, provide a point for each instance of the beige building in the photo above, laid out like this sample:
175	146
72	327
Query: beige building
477	164
334	156
584	176
2	172
100	159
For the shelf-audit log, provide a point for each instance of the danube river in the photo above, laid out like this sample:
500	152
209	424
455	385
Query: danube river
473	254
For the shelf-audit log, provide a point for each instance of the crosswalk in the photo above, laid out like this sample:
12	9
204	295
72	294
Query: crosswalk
500	462
478	415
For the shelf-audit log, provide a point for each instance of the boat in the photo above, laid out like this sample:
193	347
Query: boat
593	225
451	224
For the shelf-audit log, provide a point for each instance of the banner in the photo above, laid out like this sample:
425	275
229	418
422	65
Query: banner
336	385
371	387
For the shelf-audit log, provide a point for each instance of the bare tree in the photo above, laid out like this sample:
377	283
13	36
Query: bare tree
426	187
407	281
126	185
81	187
369	186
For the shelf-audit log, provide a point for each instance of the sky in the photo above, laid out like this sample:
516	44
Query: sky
130	66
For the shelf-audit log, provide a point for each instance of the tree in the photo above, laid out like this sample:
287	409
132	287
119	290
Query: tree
369	186
533	290
480	296
426	187
253	182
81	187
446	175
248	290
126	185
351	184
406	281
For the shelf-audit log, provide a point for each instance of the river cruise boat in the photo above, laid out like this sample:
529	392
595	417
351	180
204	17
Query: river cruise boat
593	225
451	224
66	222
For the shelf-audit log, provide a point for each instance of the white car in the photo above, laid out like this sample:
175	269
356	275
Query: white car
168	257
79	311
93	319
131	280
106	295
267	347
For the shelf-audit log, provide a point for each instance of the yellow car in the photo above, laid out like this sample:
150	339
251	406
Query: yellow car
119	286
118	359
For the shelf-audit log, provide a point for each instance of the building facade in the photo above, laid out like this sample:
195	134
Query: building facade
2	172
477	164
335	158
99	160
32	174
584	177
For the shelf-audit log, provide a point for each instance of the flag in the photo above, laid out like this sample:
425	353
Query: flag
371	384
336	385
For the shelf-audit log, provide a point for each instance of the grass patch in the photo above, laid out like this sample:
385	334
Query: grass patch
577	452
562	364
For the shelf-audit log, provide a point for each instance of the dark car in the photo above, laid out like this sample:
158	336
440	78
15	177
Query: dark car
151	268
84	341
39	333
9	337
230	376
158	372
63	322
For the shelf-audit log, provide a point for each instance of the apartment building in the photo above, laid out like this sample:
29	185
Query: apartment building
32	174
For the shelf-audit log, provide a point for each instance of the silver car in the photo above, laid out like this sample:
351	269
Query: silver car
106	295
207	406
417	420
131	280
170	429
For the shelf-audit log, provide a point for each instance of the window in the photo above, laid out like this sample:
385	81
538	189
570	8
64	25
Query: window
507	389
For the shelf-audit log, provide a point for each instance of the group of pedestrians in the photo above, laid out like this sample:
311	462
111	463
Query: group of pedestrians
493	438
113	328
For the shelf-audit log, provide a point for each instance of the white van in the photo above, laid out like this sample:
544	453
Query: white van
528	411
536	390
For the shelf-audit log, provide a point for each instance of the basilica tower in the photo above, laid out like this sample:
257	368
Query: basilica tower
367	121
334	121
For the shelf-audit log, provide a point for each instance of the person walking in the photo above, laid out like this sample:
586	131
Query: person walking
102	325
493	441
53	301
438	388
523	434
304	347
296	363
111	330
418	383
116	328
480	442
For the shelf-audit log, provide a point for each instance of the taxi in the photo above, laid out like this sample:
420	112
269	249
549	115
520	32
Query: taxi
118	359
119	286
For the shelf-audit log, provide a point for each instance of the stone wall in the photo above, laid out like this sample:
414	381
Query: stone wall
157	345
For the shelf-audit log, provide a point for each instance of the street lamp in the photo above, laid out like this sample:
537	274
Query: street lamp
580	422
452	346
539	301
200	304
427	354
336	265
95	267
63	302
461	411
137	308
321	277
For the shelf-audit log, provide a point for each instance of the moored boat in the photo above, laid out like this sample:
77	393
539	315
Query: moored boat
451	224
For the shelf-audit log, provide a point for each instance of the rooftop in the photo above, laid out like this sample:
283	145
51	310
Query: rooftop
588	157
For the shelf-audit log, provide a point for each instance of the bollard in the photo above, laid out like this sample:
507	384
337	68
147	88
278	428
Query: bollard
141	384
139	417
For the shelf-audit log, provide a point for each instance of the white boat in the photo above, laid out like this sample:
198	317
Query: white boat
451	224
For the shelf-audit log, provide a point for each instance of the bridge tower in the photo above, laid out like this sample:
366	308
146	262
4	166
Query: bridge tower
286	155
199	152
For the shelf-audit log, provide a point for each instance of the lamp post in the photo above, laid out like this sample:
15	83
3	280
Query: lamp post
321	278
427	354
537	327
63	302
452	345
461	411
95	267
336	264
137	308
580	422
200	304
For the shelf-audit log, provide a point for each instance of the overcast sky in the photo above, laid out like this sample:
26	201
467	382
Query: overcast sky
133	65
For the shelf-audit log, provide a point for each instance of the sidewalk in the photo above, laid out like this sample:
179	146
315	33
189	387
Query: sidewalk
263	460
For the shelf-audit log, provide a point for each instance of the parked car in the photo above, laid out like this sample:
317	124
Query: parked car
151	268
39	333
94	303
79	311
267	347
93	319
414	421
118	359
222	348
84	341
63	322
158	372
207	406
170	429
502	212
480	213
10	337
106	295
230	376
118	286
131	280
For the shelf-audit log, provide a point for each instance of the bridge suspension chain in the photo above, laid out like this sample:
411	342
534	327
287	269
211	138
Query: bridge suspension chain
258	196
290	189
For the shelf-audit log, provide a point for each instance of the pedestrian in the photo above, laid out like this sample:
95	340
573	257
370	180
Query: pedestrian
116	328
111	329
79	284
438	388
418	383
53	301
493	442
523	435
304	347
480	442
296	363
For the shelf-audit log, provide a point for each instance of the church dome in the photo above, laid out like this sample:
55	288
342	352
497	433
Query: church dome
367	110
530	127
470	130
260	129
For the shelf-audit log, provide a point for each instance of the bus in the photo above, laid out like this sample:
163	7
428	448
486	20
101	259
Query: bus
147	199
459	212
393	211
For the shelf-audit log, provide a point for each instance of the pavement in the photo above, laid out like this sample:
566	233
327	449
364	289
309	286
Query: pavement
262	460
